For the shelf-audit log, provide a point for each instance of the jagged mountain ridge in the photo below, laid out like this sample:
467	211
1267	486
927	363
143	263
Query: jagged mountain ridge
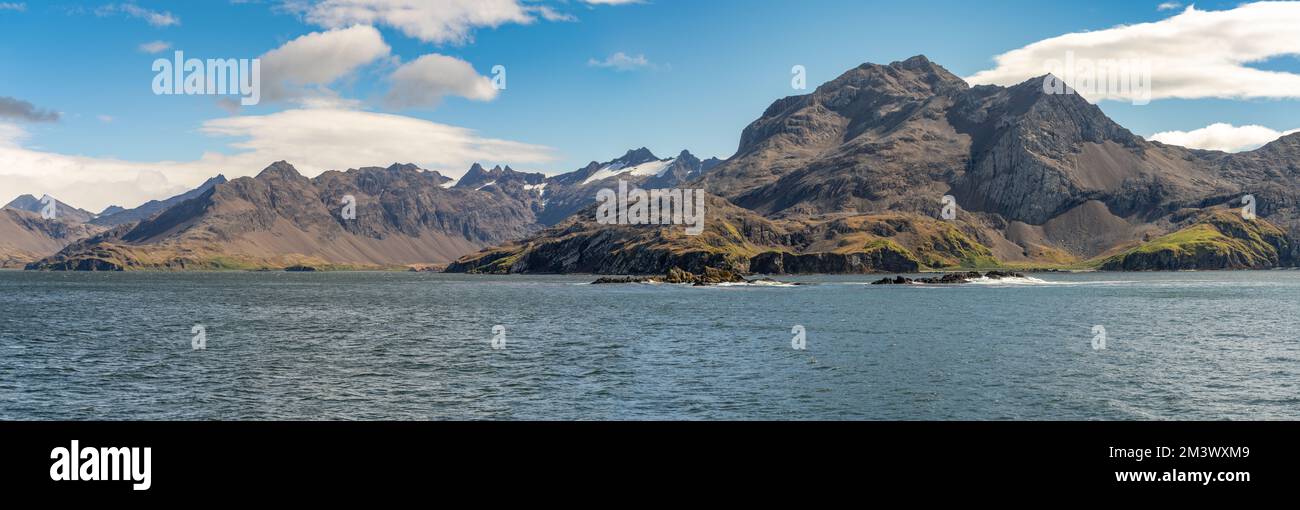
62	211
568	193
281	218
115	215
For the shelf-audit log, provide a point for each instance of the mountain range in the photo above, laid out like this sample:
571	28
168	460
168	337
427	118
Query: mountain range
404	217
849	178
852	177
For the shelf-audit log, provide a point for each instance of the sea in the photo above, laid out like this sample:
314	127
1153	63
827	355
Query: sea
427	346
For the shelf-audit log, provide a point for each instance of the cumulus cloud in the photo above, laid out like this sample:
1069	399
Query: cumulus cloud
1169	6
18	109
317	60
1194	54
426	80
313	140
434	21
621	61
155	47
1222	137
13	6
155	18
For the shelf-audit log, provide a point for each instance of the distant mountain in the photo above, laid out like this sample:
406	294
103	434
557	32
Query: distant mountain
63	212
864	161
114	215
566	193
26	237
404	216
478	178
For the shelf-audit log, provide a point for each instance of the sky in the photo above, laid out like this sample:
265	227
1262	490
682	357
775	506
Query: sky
352	83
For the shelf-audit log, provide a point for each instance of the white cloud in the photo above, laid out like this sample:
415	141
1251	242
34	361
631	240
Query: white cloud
11	135
621	61
319	59
611	2
434	21
155	18
155	47
13	6
1222	137
424	82
1194	54
550	14
107	119
313	140
1169	6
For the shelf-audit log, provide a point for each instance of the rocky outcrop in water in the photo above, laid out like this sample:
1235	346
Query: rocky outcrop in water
948	279
709	276
884	260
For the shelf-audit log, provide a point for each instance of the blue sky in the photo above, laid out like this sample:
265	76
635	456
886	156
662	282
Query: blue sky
712	67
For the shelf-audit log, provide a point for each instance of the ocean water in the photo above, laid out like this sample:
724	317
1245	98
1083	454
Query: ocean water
414	346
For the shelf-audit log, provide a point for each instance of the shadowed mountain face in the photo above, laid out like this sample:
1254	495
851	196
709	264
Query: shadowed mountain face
114	215
1038	177
403	216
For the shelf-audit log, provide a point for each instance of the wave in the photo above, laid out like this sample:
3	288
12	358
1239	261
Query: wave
1014	280
758	283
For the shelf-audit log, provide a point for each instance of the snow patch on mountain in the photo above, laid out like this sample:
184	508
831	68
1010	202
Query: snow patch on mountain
655	168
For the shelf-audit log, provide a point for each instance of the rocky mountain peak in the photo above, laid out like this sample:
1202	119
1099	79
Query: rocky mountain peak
637	157
280	170
404	167
22	202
